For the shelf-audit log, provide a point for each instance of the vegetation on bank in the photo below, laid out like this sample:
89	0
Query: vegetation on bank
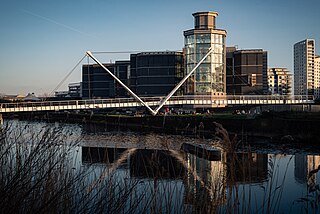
41	172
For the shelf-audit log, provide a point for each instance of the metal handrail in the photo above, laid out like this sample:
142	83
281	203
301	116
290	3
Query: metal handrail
154	100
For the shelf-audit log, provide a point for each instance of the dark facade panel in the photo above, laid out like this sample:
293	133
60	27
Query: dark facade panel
155	73
246	72
98	83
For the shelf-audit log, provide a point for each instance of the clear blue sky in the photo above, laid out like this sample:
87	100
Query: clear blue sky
41	41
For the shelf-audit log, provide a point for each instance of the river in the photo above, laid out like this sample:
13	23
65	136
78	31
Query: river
121	171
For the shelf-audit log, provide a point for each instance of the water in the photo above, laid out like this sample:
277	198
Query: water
131	172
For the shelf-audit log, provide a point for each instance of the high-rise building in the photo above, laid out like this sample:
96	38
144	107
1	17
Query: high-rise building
210	76
304	69
279	81
246	71
317	77
156	73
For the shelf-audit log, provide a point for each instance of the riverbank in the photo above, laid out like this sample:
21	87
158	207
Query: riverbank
282	127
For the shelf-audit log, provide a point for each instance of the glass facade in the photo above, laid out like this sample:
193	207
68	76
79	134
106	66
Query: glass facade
209	76
97	83
156	73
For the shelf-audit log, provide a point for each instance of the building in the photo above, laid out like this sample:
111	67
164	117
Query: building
146	74
304	67
246	71
97	83
156	73
61	94
210	76
75	89
279	81
11	98
317	77
122	71
31	97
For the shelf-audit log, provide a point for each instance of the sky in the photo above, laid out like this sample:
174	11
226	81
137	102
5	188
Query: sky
42	41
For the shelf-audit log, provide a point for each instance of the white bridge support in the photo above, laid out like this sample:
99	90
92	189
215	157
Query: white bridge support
163	101
121	83
1	120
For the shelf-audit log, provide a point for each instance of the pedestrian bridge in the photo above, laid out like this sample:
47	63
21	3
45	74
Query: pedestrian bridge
154	104
197	101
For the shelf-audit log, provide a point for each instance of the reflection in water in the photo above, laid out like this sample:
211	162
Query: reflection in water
204	181
117	171
247	167
313	169
300	168
306	170
101	154
204	185
157	164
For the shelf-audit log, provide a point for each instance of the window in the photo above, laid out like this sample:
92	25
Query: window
253	80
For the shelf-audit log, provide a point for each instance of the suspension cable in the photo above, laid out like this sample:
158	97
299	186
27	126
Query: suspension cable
66	77
114	52
88	76
128	52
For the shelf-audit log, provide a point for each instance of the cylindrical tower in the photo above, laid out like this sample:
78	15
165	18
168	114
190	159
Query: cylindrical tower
210	76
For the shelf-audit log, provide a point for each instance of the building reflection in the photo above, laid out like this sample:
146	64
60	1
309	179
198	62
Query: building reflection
160	164
103	155
205	181
246	168
300	168
306	169
313	169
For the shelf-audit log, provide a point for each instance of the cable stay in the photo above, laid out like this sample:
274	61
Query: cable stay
114	52
66	77
129	52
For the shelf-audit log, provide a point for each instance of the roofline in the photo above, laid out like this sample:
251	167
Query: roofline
215	14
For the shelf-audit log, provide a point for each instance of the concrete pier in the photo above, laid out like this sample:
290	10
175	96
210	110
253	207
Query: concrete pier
1	120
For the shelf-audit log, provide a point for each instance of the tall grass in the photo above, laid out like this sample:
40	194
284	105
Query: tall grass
40	174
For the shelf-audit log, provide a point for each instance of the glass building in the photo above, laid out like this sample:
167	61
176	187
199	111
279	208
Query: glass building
210	76
97	83
156	73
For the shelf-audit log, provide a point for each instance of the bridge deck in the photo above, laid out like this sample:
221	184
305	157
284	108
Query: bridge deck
198	101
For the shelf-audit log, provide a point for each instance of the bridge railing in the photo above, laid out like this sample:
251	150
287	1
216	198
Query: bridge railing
88	102
91	103
270	97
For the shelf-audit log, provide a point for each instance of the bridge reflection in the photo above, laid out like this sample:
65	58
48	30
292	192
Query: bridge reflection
201	178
